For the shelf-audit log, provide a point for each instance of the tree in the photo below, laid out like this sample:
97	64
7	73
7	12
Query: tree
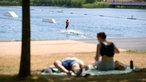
90	1
24	70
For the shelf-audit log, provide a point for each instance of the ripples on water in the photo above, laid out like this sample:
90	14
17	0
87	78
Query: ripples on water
84	23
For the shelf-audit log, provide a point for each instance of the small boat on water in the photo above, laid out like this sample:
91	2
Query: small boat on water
49	20
12	14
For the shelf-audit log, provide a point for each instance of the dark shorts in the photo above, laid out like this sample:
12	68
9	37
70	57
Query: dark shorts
68	64
66	26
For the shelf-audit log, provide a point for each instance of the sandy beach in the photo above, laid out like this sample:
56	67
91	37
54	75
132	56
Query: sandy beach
44	53
48	47
70	46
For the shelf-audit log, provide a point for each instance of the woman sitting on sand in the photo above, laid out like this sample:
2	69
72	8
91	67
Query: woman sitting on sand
105	53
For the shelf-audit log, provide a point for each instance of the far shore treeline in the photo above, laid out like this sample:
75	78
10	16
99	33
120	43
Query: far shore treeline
63	3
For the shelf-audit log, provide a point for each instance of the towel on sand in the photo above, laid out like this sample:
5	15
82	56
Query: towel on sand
55	71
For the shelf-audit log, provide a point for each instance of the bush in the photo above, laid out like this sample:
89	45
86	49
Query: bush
9	3
96	5
77	3
90	1
68	3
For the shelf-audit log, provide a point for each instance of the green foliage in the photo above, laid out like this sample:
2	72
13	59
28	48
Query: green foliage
90	1
66	3
77	3
96	5
5	2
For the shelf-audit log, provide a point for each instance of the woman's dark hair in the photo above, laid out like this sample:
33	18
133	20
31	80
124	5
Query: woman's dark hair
102	35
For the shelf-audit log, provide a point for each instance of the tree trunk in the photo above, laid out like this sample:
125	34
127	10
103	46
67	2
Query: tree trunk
24	70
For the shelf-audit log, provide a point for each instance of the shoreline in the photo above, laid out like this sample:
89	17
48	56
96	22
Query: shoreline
134	44
110	38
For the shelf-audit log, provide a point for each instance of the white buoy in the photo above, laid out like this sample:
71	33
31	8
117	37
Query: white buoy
12	14
49	20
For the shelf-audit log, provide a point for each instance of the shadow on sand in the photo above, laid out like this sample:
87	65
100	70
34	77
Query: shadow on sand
136	76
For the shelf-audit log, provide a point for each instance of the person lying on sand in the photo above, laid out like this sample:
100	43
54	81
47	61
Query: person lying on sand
69	65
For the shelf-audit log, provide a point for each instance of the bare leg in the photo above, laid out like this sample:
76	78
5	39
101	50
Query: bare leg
59	65
51	66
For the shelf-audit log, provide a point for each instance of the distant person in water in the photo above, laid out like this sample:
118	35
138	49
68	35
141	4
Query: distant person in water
67	24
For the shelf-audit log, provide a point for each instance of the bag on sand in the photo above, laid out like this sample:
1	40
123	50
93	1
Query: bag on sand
120	66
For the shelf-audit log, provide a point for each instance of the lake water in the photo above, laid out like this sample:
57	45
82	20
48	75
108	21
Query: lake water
84	23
